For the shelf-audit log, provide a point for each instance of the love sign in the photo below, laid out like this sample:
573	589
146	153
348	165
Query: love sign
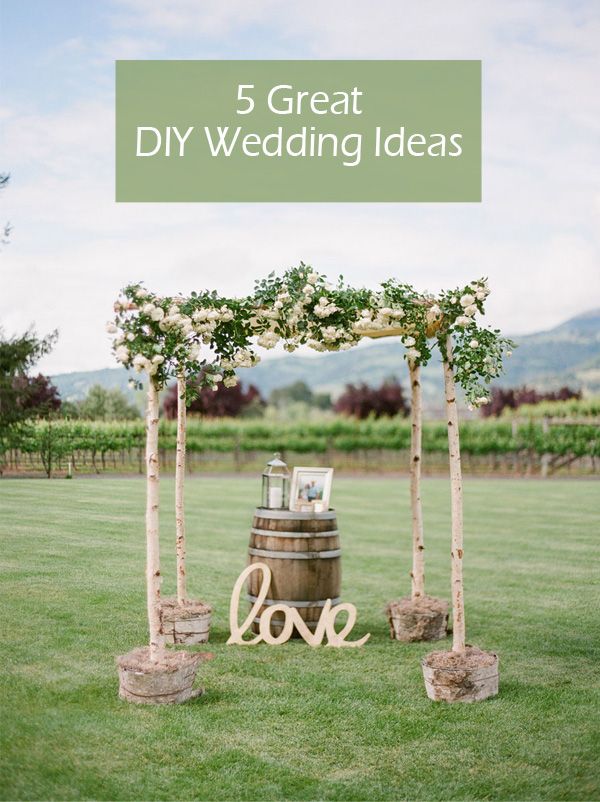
325	625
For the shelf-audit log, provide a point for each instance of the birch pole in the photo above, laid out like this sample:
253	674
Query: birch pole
458	607
417	574
152	543
179	490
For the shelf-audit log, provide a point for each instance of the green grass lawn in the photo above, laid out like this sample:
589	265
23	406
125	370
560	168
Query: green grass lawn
292	722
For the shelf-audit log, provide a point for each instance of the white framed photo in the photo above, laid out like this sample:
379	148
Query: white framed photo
311	489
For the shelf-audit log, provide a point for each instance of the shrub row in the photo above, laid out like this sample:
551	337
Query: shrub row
62	438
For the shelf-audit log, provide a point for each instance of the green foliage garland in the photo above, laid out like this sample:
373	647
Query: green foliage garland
214	335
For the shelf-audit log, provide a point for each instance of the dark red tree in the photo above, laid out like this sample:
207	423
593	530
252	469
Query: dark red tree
225	402
514	397
360	400
36	395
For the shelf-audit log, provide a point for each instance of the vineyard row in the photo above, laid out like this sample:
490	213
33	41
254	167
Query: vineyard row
93	443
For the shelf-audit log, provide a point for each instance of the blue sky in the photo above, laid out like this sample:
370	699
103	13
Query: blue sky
536	234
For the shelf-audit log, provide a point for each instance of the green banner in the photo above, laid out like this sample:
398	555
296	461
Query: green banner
298	131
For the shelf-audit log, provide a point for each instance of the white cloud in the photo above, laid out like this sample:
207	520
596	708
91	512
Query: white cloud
190	18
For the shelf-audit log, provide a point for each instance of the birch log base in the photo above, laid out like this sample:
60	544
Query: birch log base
168	679
424	619
469	676
187	623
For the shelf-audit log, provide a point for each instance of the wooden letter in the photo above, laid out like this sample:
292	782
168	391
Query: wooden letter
325	625
338	638
237	631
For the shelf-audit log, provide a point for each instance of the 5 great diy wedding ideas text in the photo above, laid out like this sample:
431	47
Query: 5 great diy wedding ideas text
305	141
297	131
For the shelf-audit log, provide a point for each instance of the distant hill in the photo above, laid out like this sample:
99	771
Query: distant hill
567	354
74	386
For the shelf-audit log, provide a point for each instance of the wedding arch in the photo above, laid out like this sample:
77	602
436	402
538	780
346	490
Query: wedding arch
207	336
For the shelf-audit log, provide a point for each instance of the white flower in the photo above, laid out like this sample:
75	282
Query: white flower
509	353
194	351
140	363
480	295
111	328
268	340
230	381
312	278
158	359
463	321
131	336
435	309
326	310
413	353
216	377
386	311
122	353
330	333
278	305
147	309
200	315
308	289
408	341
398	313
157	313
345	346
471	310
142	293
483	400
244	358
213	315
467	300
474	344
316	345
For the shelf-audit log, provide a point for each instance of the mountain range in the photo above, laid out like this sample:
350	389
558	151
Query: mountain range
568	354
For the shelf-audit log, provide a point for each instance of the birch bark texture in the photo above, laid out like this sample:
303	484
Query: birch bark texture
179	491
458	607
418	567
153	577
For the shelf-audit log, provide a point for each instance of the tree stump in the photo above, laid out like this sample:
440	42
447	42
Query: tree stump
468	676
426	618
166	680
187	623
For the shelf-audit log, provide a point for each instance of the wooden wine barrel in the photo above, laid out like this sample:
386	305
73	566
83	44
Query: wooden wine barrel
302	549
